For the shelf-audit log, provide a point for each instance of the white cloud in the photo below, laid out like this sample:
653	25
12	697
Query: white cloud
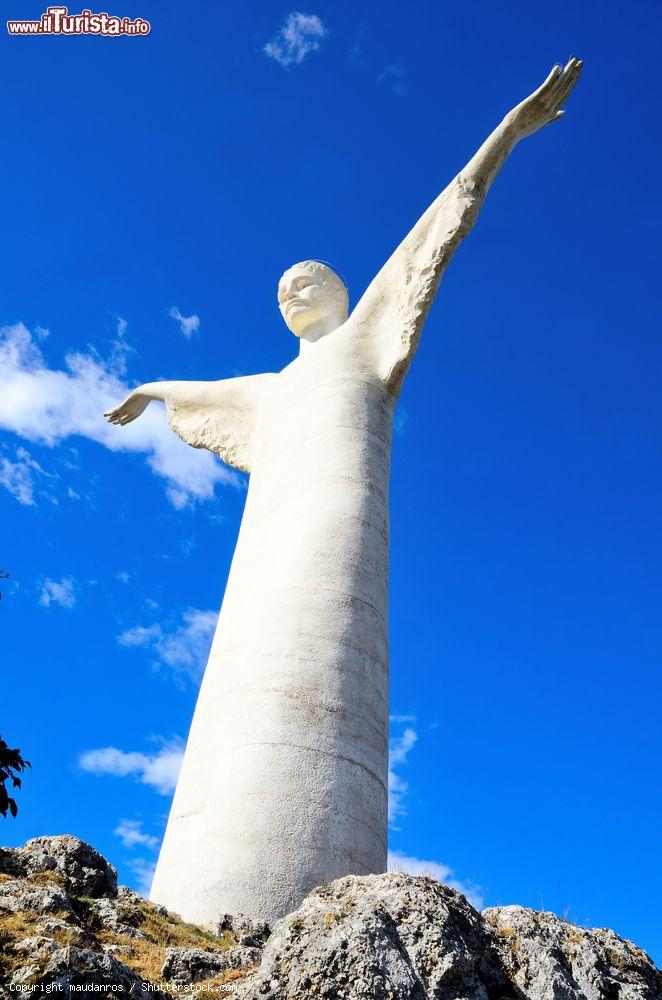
299	35
61	593
121	350
183	647
158	770
187	324
399	862
397	787
131	834
47	405
400	421
396	78
144	872
19	477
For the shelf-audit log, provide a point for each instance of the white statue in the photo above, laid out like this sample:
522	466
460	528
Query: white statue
284	780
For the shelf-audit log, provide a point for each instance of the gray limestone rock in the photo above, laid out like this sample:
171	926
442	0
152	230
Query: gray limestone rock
112	915
184	966
398	937
252	933
83	871
547	958
36	947
49	926
18	894
81	966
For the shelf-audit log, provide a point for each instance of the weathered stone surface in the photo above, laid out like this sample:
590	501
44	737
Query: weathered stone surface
548	958
80	966
37	947
18	894
379	937
396	937
111	915
184	966
54	931
84	872
55	925
252	933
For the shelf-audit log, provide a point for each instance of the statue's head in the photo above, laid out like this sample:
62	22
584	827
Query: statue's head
312	299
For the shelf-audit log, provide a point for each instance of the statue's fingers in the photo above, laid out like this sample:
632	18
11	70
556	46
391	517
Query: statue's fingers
554	73
567	81
555	117
568	68
568	86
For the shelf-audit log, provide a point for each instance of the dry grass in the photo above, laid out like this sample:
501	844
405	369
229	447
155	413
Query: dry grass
173	932
573	937
145	955
13	927
44	878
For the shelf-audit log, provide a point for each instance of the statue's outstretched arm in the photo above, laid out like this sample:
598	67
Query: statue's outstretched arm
392	311
138	400
542	108
219	416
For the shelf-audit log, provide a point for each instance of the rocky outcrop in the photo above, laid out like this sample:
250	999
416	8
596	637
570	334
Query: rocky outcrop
396	937
65	923
184	966
81	870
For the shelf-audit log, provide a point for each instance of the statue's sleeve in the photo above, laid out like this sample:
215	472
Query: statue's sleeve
390	316
218	416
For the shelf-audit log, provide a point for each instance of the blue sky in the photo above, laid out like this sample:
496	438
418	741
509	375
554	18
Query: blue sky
176	176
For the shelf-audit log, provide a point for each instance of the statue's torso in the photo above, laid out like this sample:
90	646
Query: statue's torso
289	739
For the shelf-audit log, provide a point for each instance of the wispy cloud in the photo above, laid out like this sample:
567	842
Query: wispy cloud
54	592
400	420
400	862
144	873
399	749
355	56
131	833
20	477
47	405
300	35
187	324
158	770
121	350
183	647
395	77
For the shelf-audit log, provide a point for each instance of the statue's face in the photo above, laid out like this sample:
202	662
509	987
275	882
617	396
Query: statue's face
308	296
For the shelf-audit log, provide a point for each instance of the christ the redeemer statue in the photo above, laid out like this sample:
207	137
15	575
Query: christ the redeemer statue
284	779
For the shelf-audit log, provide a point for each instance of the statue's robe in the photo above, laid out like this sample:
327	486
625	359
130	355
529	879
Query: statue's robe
284	780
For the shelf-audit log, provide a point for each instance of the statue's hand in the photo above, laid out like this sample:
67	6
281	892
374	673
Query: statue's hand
544	106
132	407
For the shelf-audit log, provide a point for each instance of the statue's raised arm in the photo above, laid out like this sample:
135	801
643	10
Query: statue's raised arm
219	416
390	315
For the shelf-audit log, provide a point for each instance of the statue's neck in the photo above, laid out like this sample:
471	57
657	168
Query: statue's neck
317	332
